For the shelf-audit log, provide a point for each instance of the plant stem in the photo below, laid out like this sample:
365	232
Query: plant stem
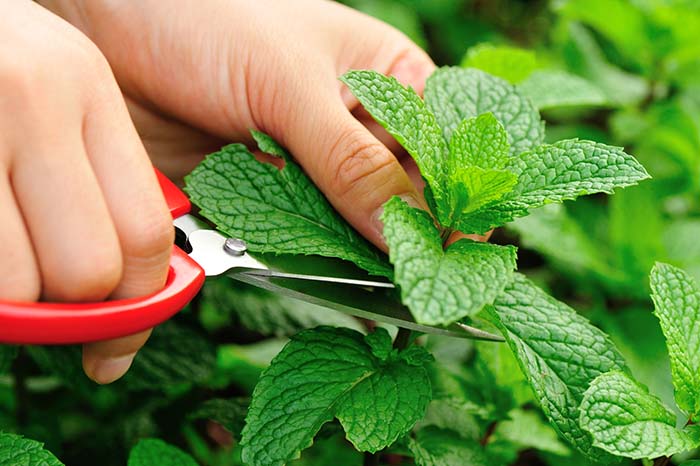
662	461
402	338
370	459
489	432
20	389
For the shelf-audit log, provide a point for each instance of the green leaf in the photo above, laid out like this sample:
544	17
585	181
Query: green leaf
228	303
677	302
554	88
473	188
230	413
8	353
433	446
568	169
16	450
478	152
332	372
510	63
151	451
273	210
455	94
559	351
174	354
269	146
555	173
526	429
405	116
481	142
442	286
625	419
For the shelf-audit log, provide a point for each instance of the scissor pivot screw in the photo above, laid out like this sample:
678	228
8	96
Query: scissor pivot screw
235	246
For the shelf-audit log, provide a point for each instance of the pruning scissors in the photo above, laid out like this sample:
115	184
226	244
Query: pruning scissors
210	253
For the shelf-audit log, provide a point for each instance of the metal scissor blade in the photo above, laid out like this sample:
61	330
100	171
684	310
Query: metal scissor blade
320	278
368	303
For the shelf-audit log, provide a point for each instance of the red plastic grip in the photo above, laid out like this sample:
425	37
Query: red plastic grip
177	201
64	323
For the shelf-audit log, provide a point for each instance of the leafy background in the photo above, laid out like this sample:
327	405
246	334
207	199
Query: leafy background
640	67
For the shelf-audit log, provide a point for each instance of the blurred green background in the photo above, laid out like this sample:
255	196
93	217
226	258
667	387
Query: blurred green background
627	73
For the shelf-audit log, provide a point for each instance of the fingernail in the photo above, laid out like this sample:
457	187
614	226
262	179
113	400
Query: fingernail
108	370
411	200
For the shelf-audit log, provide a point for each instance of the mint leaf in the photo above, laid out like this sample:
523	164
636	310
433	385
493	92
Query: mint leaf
473	187
276	211
442	286
478	151
332	372
555	88
677	302
269	146
454	94
20	451
481	141
151	451
526	429
174	354
571	168
510	63
405	116
559	351
229	413
555	173
625	419
433	446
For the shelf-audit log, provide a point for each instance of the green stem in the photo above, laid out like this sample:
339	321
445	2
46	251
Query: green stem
402	338
661	461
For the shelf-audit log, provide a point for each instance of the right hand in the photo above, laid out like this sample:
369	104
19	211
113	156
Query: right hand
83	218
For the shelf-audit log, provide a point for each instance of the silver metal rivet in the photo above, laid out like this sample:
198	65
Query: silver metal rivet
235	246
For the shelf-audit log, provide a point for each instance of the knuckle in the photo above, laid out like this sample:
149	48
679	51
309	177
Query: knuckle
154	238
90	277
359	165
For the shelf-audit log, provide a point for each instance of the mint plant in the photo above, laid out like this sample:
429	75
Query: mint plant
604	384
478	144
620	413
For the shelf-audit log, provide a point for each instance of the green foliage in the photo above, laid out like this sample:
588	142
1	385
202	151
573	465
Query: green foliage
625	419
510	63
8	354
149	452
442	286
677	302
603	74
278	211
16	450
441	447
559	351
376	394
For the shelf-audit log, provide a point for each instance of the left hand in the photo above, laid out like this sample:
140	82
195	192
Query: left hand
196	73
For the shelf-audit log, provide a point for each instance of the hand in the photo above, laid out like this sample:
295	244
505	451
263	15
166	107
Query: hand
199	72
83	217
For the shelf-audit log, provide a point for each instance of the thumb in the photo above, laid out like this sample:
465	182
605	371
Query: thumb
355	171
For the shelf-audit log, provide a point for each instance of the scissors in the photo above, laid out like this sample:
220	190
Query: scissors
209	253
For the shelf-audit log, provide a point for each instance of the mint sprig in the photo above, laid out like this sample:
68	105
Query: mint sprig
376	392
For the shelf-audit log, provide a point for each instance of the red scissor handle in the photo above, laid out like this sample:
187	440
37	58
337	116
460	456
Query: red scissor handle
63	323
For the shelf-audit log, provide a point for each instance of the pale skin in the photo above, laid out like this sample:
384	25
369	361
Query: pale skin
92	88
